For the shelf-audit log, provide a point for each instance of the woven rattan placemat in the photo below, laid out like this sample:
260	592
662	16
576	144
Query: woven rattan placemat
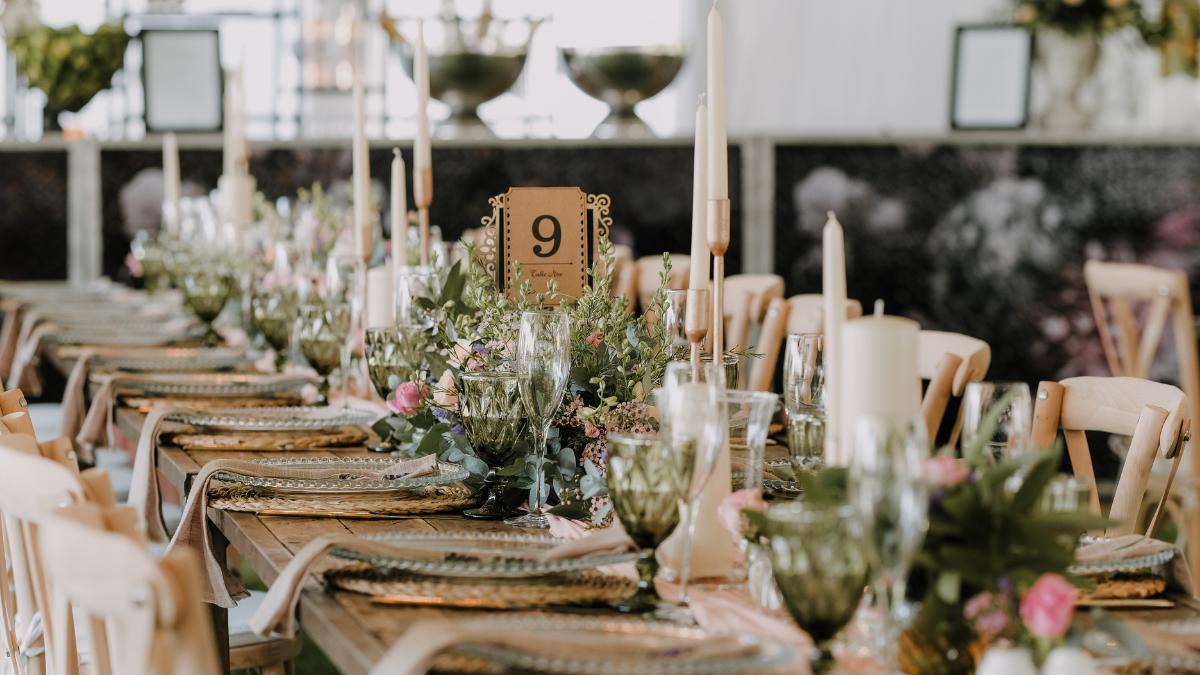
190	439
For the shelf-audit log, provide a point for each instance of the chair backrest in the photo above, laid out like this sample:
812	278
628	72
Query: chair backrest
747	297
1157	416
142	615
949	361
770	343
35	479
650	269
806	312
625	276
14	413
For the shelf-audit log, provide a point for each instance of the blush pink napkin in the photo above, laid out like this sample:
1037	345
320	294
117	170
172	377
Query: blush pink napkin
23	372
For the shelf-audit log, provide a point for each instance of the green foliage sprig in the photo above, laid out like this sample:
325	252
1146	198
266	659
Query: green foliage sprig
69	65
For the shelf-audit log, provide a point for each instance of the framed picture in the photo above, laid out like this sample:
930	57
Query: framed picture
182	83
989	88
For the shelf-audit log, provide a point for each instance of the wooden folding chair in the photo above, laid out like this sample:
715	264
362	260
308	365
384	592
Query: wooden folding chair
650	269
949	361
746	299
806	313
770	343
1157	416
1118	293
625	276
142	615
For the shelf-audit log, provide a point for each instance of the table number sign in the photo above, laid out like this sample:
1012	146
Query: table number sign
553	232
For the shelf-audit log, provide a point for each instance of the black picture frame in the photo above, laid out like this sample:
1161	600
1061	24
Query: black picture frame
204	123
974	77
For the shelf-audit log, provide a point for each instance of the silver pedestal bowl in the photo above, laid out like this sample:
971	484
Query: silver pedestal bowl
464	80
622	77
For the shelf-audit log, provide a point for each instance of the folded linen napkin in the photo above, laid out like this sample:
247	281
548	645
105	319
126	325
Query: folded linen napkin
220	587
23	371
1163	641
1129	546
414	653
276	615
8	335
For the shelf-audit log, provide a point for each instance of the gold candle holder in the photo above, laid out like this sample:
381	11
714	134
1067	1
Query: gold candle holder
718	244
695	325
424	197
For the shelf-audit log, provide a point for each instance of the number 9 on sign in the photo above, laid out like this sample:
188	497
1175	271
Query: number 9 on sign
554	238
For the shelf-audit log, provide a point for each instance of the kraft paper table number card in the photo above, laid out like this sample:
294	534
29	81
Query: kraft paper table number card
553	232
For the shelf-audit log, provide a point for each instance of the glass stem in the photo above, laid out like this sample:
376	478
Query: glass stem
689	536
823	661
647	566
345	368
540	430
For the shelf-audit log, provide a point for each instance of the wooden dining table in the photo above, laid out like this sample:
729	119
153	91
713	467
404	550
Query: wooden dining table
353	631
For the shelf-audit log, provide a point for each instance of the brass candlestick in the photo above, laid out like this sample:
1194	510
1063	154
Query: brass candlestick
695	325
718	243
423	187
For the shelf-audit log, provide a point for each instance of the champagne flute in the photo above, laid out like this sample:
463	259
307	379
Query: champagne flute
1011	435
887	489
543	364
692	413
804	400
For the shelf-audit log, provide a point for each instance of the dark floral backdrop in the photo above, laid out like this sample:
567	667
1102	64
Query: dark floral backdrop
990	240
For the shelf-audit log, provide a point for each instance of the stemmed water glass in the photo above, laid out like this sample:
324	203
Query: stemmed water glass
1011	434
888	490
543	364
647	479
692	420
206	288
820	566
324	332
490	409
804	399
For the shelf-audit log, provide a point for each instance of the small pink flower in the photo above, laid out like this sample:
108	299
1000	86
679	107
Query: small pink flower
1048	606
590	430
594	339
730	509
134	265
944	471
407	398
977	604
992	623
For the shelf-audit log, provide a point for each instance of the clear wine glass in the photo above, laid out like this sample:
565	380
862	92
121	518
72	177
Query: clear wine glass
691	411
1011	435
413	285
543	364
888	490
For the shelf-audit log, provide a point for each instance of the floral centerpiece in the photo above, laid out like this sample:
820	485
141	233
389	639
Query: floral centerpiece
616	361
993	568
1080	16
69	65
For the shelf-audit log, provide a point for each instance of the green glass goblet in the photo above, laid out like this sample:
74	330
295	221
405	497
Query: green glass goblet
324	330
390	360
274	315
489	405
206	289
647	478
818	555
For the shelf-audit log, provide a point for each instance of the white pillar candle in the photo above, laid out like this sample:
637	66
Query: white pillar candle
718	142
698	276
399	214
833	291
878	367
380	309
171	187
422	150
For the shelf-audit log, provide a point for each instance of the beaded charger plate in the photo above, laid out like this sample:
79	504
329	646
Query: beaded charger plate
483	555
604	645
418	501
1155	563
146	339
175	359
287	418
354	474
209	384
396	587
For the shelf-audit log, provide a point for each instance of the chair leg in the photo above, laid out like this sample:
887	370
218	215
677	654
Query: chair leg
274	669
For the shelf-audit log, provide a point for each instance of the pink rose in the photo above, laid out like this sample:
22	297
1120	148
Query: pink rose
992	623
134	266
594	340
730	509
590	430
1048	606
977	604
446	394
944	471
407	398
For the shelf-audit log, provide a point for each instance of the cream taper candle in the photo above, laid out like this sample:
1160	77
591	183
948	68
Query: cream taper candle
171	187
422	150
399	214
361	173
833	290
718	142
698	276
